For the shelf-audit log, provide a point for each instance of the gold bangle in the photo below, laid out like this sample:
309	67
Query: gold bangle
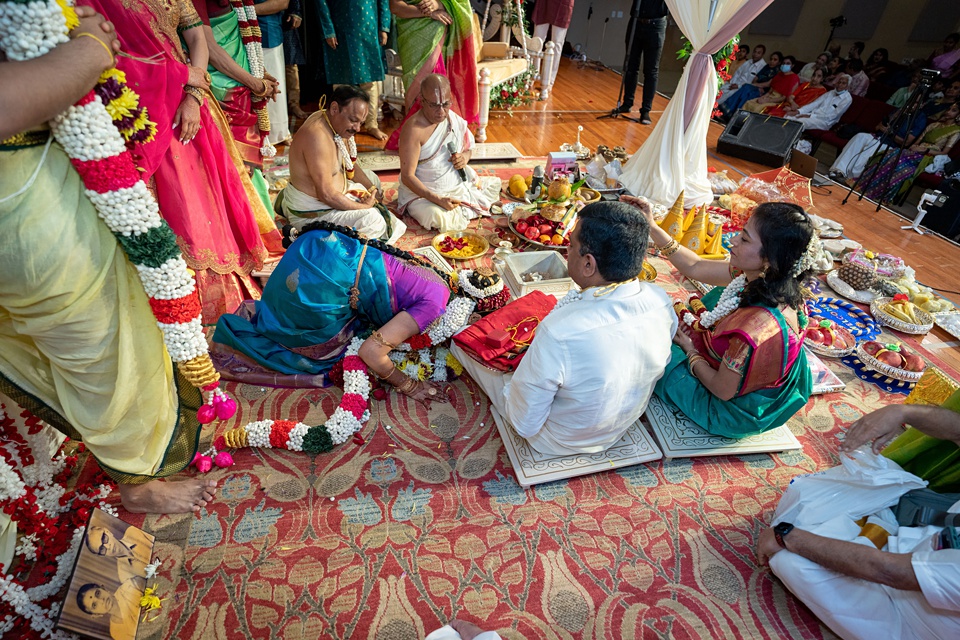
408	386
113	58
195	92
670	248
692	361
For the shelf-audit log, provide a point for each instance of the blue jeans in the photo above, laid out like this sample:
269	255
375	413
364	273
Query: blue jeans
647	43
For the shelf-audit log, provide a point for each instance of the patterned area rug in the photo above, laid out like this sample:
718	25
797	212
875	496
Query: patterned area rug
424	522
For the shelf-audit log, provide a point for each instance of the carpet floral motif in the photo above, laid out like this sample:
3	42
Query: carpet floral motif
425	522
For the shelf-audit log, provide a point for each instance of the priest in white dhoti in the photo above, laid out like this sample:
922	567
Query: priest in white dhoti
325	182
825	111
437	187
744	74
871	579
594	360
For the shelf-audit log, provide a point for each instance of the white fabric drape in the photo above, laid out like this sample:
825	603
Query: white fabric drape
674	157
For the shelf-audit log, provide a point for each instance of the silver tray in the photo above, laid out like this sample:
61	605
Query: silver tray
899	325
885	369
845	290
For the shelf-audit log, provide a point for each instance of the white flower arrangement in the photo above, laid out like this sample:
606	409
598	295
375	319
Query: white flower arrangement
729	301
48	28
129	210
185	341
170	281
86	132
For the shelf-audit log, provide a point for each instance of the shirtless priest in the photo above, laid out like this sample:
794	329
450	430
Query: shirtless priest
437	187
593	363
324	184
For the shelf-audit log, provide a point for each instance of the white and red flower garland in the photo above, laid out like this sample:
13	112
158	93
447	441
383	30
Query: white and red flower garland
413	357
92	139
251	37
50	520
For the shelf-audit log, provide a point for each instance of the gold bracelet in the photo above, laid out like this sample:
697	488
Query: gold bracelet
692	361
670	248
195	92
379	339
113	58
408	386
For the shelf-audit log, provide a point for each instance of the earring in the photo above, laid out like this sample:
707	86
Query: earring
763	272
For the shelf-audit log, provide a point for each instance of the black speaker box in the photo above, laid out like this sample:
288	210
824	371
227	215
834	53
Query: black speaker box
759	138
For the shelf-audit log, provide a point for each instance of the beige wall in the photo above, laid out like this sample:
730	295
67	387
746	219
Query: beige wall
813	28
806	42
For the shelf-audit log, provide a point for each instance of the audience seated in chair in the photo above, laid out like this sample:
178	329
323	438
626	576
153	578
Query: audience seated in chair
437	188
896	583
859	82
805	94
897	171
782	88
835	67
877	65
590	370
946	58
861	147
744	74
759	86
820	63
825	111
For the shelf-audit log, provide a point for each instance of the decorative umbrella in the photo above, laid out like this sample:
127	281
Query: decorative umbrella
794	187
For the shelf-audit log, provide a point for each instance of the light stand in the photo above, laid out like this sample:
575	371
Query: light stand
631	30
839	21
929	197
902	122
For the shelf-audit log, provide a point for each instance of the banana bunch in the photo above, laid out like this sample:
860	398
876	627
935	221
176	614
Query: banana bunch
902	309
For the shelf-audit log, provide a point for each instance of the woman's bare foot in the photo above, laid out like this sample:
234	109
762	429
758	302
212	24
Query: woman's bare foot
376	134
159	496
466	630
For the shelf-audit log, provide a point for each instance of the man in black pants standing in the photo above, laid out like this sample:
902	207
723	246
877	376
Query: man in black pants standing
648	36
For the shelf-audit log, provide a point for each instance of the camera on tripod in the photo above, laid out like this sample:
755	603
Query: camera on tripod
838	22
927	77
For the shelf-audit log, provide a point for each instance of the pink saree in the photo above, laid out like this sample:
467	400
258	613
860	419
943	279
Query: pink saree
202	188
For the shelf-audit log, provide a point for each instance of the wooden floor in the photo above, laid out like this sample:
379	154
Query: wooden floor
581	95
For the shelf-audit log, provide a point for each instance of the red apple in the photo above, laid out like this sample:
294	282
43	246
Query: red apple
913	362
546	229
891	358
814	335
829	336
872	347
522	226
532	233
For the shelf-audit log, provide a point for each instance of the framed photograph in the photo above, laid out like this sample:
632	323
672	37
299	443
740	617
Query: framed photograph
109	577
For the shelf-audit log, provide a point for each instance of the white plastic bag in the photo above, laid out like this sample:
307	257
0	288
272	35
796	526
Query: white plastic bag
863	484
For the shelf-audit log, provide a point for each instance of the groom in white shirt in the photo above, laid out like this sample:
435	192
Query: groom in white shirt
592	366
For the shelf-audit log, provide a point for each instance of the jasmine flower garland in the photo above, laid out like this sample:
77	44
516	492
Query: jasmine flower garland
92	139
413	357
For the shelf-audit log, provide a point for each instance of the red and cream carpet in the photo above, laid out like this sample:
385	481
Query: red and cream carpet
424	522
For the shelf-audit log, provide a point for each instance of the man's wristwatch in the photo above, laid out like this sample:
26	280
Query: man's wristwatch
780	532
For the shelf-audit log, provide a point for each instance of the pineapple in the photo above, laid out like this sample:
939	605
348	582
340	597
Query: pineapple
857	276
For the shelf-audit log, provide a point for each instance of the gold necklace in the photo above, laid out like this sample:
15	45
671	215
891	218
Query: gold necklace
609	288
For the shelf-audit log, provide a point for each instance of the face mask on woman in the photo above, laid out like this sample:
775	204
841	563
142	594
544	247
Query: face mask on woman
786	67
